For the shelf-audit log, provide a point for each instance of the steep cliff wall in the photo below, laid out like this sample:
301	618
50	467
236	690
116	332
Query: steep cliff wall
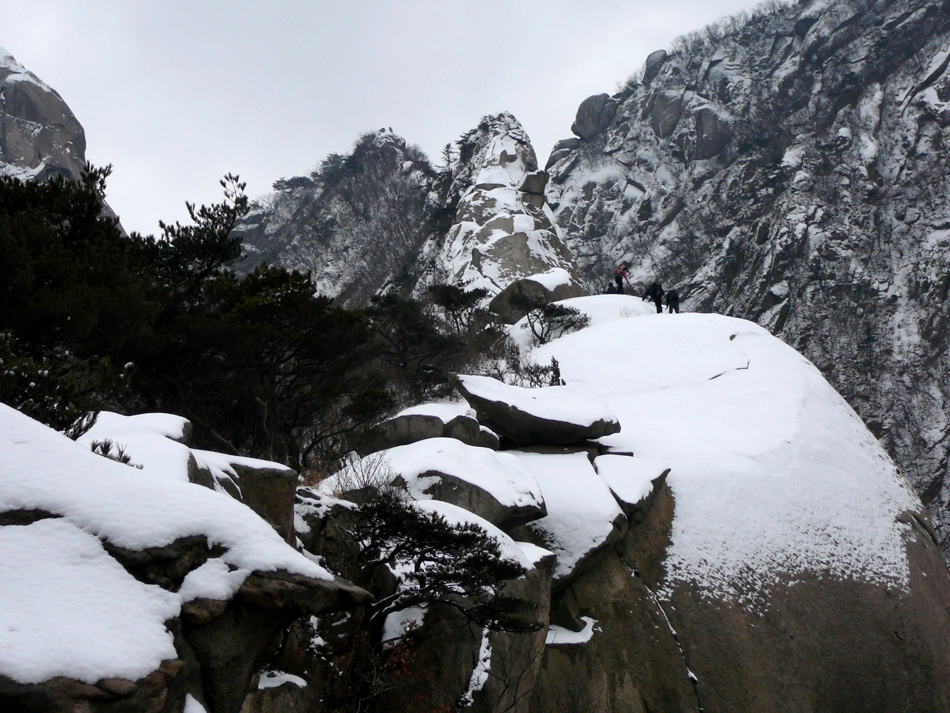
792	169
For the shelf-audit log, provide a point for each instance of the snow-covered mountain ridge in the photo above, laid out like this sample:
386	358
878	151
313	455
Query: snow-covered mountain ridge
381	218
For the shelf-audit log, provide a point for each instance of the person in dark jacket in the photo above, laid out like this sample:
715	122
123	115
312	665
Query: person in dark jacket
620	274
655	294
673	301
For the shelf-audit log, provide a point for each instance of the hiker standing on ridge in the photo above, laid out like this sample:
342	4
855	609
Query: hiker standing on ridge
673	301
655	293
620	274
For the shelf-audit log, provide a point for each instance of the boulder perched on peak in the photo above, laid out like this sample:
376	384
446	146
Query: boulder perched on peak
556	415
594	115
41	137
654	63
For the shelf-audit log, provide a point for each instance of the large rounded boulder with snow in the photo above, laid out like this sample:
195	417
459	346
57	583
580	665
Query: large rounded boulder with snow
784	565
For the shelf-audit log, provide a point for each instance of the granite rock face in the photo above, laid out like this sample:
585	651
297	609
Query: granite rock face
791	169
502	229
40	136
383	219
356	223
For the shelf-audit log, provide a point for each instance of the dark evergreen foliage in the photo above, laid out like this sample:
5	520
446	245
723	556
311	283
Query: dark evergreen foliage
458	565
91	319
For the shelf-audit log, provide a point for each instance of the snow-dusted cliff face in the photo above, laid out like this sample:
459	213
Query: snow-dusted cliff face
40	135
381	218
792	168
356	223
503	229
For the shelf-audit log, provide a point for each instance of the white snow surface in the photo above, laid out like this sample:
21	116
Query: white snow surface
774	475
151	440
401	622
552	279
574	403
69	609
443	410
481	671
192	705
500	475
629	479
607	308
273	679
558	635
581	510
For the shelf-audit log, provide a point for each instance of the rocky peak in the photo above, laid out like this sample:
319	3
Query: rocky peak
380	218
501	230
496	152
41	137
355	223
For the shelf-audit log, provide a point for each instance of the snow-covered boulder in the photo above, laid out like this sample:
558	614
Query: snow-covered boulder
494	486
159	444
634	482
583	516
436	420
557	415
783	538
550	286
124	584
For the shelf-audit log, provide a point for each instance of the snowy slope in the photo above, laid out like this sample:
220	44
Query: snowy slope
773	474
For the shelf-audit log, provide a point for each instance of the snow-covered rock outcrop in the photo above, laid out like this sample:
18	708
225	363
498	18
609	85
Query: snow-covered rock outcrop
502	230
40	135
780	510
132	588
792	169
740	502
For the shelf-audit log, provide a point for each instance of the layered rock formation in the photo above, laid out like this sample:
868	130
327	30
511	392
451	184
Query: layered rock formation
502	229
40	136
789	167
381	218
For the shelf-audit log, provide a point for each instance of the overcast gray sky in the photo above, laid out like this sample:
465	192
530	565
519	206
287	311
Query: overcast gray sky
177	93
